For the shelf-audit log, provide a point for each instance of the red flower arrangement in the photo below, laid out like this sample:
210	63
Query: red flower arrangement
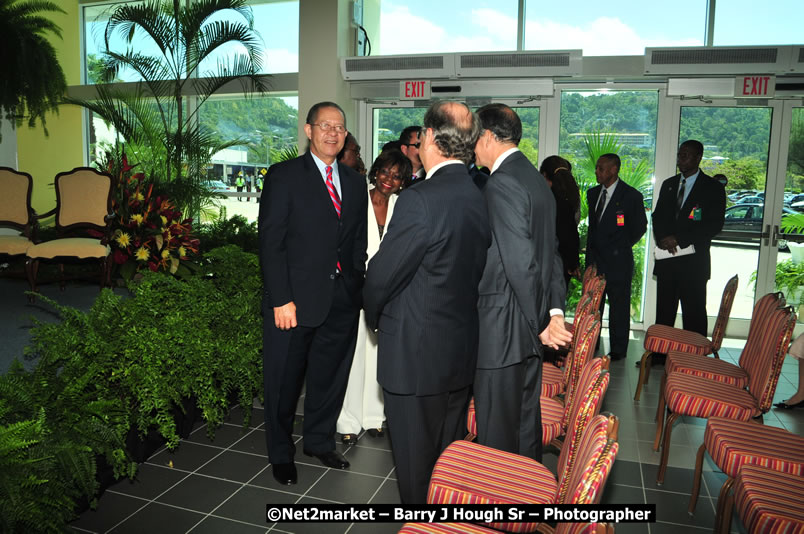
148	230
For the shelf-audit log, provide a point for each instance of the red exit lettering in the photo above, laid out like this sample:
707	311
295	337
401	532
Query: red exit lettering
755	85
414	89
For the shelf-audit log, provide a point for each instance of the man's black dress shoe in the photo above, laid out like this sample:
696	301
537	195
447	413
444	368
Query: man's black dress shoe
285	473
656	359
332	459
616	356
348	439
784	406
376	432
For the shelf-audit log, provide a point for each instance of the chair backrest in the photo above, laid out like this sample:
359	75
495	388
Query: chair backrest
594	441
588	273
756	329
598	287
764	371
581	323
581	354
592	481
584	412
722	320
15	199
83	198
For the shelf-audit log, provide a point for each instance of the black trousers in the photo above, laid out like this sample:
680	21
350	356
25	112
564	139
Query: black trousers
619	295
420	428
673	287
321	357
507	407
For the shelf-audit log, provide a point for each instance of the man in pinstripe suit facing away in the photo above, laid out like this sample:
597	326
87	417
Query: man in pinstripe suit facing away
421	294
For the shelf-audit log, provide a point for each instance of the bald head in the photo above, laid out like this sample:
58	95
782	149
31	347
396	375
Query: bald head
454	129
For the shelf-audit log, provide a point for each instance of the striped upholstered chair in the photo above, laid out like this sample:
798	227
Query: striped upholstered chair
554	379
468	528
734	444
663	339
720	370
767	502
699	397
507	478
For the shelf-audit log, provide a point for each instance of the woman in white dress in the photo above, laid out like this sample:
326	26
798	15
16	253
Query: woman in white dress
363	405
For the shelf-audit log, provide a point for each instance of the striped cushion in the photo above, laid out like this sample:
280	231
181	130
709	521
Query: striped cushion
732	444
552	415
699	397
552	380
445	528
471	418
769	502
709	368
469	473
663	339
592	426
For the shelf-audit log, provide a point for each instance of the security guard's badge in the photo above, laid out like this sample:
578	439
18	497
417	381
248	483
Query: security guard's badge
695	214
620	219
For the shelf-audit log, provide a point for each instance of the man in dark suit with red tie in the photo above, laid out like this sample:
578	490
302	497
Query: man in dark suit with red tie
312	228
617	222
690	211
421	293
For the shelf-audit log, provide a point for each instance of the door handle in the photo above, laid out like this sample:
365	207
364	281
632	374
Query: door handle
766	234
775	237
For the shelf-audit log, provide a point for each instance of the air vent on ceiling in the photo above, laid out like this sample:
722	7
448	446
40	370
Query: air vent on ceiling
718	60
396	67
519	64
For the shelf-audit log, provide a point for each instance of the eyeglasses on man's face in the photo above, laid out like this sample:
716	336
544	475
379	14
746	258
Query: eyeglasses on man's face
329	127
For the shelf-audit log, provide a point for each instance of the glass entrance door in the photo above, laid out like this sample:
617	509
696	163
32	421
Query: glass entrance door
741	146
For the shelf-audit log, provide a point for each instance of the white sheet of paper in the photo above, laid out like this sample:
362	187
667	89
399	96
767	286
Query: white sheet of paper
661	254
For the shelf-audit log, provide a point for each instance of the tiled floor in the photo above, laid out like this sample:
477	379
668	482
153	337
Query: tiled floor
222	485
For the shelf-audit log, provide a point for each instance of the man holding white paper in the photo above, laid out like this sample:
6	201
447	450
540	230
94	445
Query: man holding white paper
689	213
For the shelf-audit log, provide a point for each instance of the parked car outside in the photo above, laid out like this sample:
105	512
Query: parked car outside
217	186
748	218
751	200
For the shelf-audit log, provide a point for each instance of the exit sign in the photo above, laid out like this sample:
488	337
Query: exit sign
414	90
762	86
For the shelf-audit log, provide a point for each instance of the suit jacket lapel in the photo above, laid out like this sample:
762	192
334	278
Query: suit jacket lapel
319	187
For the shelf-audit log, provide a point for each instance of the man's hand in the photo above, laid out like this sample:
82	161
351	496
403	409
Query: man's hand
669	244
556	334
285	316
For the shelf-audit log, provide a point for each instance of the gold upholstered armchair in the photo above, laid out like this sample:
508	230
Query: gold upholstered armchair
16	215
83	211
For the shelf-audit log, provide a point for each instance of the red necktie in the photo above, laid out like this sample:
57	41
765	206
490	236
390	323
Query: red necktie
333	194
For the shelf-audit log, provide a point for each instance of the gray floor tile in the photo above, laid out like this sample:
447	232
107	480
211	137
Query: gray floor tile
236	417
187	456
158	517
676	479
235	466
112	509
224	436
625	473
217	525
313	528
345	486
369	461
253	442
248	504
307	475
199	493
672	508
388	493
151	480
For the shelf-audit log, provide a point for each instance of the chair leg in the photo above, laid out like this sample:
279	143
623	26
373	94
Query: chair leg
662	384
643	373
61	277
659	422
668	433
696	479
32	269
725	505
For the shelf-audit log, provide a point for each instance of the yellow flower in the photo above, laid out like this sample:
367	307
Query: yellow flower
142	254
164	220
137	218
182	252
165	253
123	239
137	196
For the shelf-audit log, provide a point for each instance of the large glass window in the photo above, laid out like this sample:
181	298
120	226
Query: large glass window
619	27
622	122
736	142
388	124
790	261
740	22
424	26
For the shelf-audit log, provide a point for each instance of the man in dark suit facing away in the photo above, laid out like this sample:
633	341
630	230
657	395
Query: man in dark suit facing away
522	285
617	222
690	211
312	229
421	293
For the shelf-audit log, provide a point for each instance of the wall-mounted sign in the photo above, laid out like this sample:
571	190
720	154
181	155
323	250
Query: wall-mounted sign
414	90
758	86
